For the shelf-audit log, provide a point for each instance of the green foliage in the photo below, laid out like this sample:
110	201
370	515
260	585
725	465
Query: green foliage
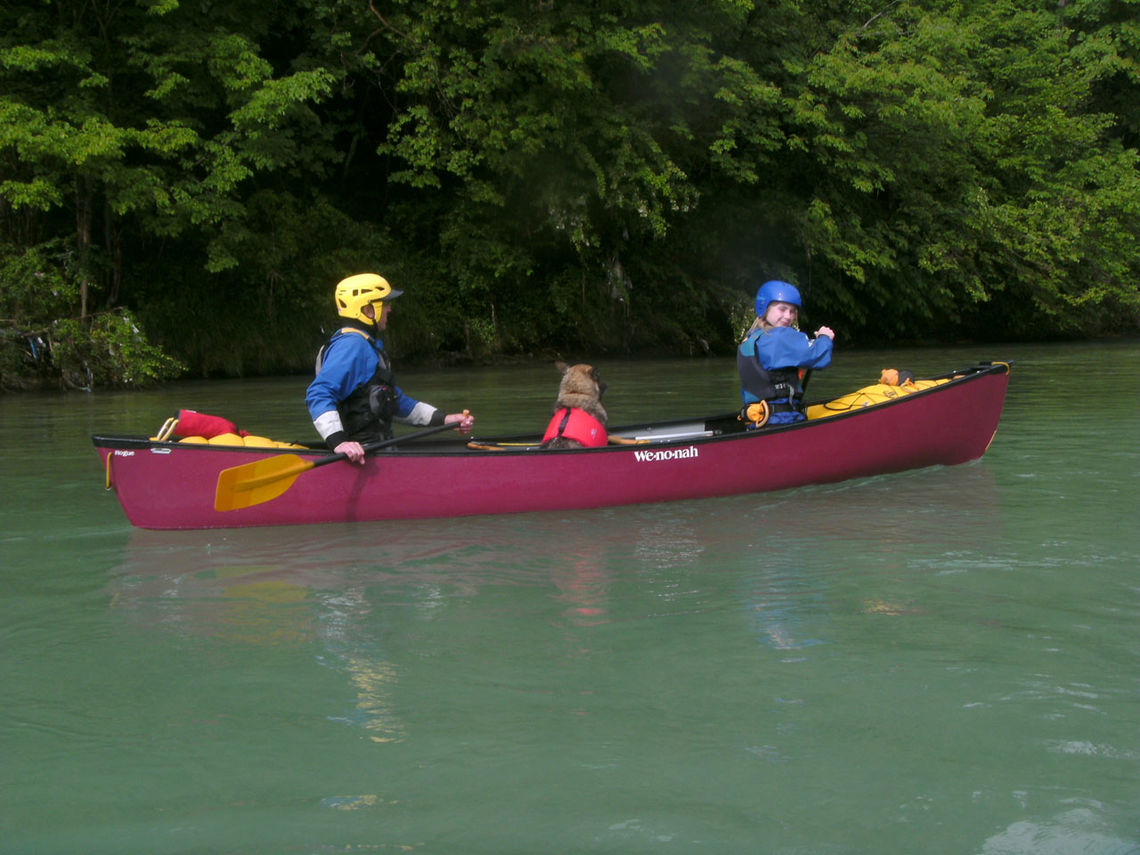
43	344
265	316
615	175
108	349
946	158
145	128
39	283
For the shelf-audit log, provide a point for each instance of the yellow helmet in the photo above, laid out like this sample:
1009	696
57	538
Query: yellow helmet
363	289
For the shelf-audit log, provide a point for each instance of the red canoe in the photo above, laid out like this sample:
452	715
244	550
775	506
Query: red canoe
173	485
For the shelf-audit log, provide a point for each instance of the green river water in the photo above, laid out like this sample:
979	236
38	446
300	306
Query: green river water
940	661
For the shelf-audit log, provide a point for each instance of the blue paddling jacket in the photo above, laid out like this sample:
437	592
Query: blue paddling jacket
354	395
769	362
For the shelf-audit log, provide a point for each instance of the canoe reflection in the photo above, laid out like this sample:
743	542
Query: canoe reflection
253	574
355	591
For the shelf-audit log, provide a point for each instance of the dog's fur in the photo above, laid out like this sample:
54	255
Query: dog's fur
581	387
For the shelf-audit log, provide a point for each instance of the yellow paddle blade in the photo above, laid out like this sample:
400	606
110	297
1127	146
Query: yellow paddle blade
257	482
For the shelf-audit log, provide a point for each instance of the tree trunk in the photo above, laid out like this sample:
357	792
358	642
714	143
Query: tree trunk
83	194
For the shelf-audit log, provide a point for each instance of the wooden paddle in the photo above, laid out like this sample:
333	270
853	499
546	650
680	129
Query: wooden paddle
258	482
491	445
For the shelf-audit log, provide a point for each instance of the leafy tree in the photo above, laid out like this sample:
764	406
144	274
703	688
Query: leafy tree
941	167
569	175
125	124
925	171
557	130
41	343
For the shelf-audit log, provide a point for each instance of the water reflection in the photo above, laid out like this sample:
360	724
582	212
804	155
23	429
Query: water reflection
230	582
582	585
343	590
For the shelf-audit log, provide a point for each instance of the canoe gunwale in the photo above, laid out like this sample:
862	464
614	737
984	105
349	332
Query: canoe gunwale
731	428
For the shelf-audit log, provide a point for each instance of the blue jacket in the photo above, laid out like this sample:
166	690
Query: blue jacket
349	362
767	358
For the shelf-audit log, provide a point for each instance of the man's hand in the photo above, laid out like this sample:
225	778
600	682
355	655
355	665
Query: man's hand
463	421
354	451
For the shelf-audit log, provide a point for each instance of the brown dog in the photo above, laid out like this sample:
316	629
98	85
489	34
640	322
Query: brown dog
579	418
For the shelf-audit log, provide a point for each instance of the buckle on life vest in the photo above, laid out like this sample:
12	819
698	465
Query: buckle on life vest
756	415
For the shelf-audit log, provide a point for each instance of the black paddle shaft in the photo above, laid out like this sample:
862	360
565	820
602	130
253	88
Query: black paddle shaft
384	443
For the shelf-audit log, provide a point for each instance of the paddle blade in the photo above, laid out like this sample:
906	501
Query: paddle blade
257	482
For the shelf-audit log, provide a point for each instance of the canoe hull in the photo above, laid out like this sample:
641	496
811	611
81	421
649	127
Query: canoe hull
163	485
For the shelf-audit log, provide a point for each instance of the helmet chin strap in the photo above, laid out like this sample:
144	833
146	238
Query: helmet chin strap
377	313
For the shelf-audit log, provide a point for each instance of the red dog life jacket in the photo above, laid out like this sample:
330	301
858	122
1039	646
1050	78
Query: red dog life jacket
574	423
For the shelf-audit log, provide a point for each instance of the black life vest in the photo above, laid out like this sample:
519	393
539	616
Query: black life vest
780	387
367	413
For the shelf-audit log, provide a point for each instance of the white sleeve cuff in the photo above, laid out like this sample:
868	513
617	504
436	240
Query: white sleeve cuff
420	415
328	423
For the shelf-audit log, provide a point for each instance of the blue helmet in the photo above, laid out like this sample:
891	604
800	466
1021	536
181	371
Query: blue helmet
775	291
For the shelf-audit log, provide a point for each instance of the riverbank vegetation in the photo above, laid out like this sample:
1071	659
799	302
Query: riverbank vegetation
181	185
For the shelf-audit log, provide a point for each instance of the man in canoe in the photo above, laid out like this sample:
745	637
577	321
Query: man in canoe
774	355
354	398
